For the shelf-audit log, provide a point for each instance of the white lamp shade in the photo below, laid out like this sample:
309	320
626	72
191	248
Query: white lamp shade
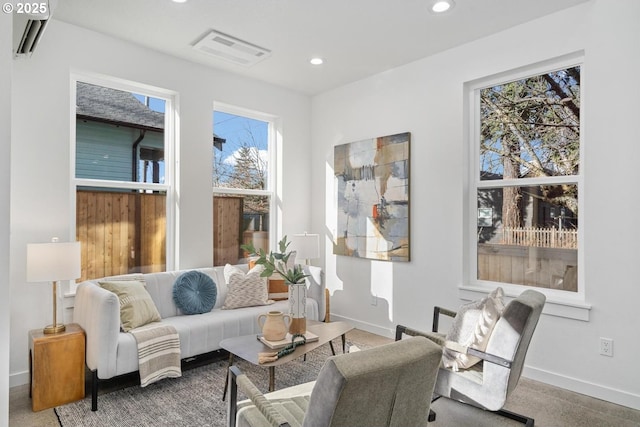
48	262
307	246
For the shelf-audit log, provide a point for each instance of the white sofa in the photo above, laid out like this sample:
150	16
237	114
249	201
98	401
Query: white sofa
111	352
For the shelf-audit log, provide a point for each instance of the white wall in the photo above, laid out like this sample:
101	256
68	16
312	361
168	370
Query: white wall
41	194
6	25
426	99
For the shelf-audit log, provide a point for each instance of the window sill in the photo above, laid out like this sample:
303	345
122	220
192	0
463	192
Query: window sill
554	307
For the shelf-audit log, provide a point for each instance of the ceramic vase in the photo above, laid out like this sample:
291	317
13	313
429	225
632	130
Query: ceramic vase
298	308
274	325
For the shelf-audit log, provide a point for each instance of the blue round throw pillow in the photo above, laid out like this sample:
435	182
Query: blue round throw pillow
194	292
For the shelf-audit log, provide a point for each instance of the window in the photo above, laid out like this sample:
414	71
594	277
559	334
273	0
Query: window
242	182
526	181
123	142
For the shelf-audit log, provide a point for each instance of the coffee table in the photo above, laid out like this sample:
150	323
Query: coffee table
247	347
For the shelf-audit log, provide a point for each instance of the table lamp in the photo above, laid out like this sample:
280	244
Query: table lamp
307	246
52	262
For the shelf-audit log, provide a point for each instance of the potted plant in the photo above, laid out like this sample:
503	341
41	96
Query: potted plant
277	262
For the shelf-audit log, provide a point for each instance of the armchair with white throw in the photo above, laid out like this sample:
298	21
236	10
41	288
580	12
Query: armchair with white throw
487	380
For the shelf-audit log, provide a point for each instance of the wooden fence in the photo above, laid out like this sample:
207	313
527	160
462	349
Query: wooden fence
120	232
540	237
227	229
125	232
554	268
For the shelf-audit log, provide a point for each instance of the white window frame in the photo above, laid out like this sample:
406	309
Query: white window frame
273	143
561	303
171	162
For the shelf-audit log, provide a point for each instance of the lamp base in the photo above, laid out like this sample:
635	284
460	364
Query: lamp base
54	329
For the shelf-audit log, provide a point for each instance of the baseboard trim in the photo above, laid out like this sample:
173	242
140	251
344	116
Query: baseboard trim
598	391
368	327
19	378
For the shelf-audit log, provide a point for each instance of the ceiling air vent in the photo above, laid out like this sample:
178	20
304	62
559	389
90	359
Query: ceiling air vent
229	48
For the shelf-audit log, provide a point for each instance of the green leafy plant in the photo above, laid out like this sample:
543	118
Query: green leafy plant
276	262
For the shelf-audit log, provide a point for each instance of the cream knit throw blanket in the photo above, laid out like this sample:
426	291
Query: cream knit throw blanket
158	352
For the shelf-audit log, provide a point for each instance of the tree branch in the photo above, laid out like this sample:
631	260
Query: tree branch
567	100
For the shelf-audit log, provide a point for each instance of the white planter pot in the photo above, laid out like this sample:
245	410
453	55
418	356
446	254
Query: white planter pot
298	308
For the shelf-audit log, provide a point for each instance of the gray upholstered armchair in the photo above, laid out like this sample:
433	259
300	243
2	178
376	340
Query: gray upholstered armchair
489	383
389	385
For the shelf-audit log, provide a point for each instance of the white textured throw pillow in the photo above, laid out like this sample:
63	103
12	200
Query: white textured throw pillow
245	290
472	327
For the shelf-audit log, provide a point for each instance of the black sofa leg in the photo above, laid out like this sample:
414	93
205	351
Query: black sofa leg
94	390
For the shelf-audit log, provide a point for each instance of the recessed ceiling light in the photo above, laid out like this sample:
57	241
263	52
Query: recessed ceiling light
179	1
316	61
440	6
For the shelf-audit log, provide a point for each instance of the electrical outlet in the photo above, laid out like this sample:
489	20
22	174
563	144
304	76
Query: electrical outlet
374	300
606	347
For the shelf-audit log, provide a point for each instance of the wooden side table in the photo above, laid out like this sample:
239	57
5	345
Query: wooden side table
56	367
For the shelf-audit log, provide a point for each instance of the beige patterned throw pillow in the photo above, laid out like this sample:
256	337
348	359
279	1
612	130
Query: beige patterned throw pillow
136	306
472	327
245	290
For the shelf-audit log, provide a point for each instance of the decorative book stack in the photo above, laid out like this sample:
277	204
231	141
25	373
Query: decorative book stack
310	336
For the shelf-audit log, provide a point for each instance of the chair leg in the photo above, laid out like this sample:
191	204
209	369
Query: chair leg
432	415
528	422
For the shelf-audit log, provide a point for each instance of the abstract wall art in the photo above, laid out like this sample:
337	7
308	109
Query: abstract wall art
372	190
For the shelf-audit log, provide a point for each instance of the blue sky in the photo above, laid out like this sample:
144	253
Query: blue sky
234	128
154	103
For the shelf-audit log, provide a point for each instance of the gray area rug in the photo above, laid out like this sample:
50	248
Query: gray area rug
195	399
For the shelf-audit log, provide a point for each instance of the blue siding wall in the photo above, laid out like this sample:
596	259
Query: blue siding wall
103	151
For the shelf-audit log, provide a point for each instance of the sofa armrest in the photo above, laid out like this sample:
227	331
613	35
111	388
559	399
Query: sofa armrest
316	289
97	311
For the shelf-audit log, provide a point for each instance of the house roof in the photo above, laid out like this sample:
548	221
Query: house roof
117	106
120	107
